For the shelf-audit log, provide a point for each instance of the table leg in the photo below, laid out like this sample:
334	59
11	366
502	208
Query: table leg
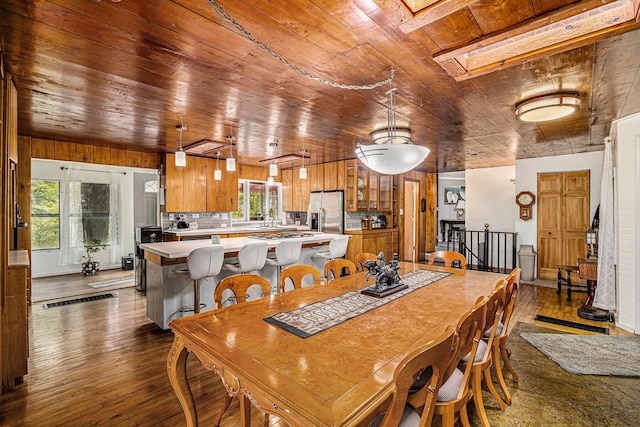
177	370
245	411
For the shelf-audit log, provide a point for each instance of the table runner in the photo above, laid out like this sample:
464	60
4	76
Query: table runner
322	315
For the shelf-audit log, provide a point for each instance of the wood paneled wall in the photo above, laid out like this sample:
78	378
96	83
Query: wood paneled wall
90	153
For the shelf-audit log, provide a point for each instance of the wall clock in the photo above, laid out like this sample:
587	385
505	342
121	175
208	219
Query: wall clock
525	199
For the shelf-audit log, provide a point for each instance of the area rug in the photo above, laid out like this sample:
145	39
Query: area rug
590	354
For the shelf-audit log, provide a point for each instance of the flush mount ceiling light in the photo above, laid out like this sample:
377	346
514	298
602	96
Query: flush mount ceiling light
393	153
547	107
181	156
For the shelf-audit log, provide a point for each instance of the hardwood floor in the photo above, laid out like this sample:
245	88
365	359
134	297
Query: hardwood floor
103	363
74	285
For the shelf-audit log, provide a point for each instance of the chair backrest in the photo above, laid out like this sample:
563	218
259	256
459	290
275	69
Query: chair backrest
363	257
253	256
288	251
495	310
338	246
239	284
205	262
469	330
434	356
511	296
334	268
448	258
296	274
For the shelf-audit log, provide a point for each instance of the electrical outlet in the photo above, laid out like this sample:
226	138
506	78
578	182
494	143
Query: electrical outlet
195	216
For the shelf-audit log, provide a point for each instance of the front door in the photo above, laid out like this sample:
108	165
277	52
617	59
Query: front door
563	219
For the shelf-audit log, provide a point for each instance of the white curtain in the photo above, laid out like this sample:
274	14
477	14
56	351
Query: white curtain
115	214
605	296
71	231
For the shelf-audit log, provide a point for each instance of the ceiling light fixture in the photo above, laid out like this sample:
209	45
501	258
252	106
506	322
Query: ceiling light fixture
217	174
181	156
273	168
303	170
547	107
231	162
393	153
270	180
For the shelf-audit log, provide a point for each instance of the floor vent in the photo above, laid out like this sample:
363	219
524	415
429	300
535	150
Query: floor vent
571	324
78	300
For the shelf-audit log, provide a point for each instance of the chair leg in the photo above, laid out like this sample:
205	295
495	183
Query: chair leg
225	406
196	296
464	416
476	387
495	354
505	356
492	388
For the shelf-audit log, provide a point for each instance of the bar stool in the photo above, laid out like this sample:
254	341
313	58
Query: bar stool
287	252
202	263
337	249
251	258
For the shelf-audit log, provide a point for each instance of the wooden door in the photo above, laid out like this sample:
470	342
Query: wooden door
410	224
563	219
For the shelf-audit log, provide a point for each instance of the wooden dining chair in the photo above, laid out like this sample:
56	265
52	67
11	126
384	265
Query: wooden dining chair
296	275
239	285
338	267
431	359
481	364
363	257
499	350
449	258
454	394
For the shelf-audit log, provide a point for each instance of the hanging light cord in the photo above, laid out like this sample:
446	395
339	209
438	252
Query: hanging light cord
224	15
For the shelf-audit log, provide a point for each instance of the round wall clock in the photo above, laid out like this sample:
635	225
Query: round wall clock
525	199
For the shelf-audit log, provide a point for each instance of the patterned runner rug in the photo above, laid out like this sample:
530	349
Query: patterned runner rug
322	315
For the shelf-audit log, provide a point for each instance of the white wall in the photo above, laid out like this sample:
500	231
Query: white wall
490	199
45	262
627	159
527	171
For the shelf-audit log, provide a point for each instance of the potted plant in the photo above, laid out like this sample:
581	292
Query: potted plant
89	266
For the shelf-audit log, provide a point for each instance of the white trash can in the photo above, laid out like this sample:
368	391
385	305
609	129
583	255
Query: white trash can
527	261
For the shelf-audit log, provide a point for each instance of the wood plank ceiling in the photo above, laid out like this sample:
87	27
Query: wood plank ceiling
128	72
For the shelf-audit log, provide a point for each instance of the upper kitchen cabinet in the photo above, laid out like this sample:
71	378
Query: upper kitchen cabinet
366	190
193	189
315	175
287	190
222	196
334	175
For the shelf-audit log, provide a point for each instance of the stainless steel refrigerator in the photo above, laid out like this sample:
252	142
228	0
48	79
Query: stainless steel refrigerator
326	211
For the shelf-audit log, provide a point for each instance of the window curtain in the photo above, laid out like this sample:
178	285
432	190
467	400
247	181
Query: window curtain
71	230
605	296
115	215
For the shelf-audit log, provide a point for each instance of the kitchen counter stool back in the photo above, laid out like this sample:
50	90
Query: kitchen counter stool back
202	263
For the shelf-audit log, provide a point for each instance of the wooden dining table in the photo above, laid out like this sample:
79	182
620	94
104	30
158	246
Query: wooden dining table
333	377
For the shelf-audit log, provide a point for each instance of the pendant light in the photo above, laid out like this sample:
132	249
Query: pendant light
273	168
270	180
393	153
181	156
231	162
217	174
303	170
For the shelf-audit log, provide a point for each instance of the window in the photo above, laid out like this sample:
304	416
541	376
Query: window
45	214
257	201
92	213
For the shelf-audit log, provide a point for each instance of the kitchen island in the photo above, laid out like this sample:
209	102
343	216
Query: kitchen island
168	289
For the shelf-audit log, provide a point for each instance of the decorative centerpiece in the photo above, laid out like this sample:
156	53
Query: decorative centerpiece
387	278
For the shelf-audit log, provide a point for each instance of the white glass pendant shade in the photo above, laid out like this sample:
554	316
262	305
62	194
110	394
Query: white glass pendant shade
231	164
303	173
391	159
270	180
273	169
181	158
217	175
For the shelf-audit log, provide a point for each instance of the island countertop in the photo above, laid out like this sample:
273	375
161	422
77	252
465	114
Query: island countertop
181	249
188	232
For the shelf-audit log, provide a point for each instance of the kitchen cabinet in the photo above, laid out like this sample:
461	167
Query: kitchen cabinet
333	176
15	325
374	241
366	190
295	191
193	189
287	190
315	175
